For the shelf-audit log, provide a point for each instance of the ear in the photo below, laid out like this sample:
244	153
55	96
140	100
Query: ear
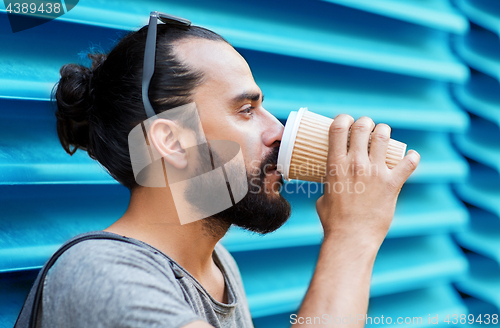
164	135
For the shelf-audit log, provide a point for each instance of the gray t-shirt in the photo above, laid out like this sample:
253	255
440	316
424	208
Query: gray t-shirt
108	283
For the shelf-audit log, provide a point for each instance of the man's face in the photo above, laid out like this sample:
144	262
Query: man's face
229	103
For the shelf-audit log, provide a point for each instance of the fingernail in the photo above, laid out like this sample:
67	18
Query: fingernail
413	155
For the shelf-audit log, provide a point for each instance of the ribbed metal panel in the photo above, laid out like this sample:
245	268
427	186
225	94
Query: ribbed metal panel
480	49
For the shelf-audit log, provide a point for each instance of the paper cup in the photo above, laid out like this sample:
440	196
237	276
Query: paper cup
304	147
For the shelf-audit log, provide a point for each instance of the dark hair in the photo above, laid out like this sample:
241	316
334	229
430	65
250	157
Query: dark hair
98	106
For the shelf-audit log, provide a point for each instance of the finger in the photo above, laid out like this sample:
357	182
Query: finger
379	143
338	133
360	134
406	167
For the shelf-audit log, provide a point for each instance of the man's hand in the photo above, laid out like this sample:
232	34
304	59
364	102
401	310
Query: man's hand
356	211
360	190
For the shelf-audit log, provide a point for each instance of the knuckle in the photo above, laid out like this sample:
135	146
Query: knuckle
411	164
357	158
359	168
363	125
359	127
339	127
380	136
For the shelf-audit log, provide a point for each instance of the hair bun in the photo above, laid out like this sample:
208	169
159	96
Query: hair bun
97	60
74	98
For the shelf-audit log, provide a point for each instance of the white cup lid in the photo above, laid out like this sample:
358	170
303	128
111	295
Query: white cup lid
288	141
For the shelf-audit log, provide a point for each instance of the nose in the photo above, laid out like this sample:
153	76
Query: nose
273	130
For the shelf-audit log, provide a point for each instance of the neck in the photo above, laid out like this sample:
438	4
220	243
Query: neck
152	218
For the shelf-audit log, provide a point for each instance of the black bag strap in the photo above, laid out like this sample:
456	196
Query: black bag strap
34	299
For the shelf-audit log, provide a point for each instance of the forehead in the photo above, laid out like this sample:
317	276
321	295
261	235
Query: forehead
226	72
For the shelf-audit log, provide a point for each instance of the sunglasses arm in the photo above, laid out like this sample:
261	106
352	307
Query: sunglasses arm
149	63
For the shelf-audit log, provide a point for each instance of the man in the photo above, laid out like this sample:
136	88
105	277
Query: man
187	279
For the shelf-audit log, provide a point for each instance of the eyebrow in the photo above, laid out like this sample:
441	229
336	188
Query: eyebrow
247	96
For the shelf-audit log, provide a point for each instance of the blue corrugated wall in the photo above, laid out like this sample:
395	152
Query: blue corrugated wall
480	97
400	62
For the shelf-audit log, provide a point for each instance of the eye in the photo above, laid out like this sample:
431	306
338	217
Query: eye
247	110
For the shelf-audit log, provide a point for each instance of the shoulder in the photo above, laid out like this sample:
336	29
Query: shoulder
119	281
100	258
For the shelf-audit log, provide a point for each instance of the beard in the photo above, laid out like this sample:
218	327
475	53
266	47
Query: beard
260	210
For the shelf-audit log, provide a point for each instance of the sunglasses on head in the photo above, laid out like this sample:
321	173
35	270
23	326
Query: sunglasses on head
150	53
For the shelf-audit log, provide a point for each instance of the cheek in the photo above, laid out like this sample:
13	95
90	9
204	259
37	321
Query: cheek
252	153
247	135
255	149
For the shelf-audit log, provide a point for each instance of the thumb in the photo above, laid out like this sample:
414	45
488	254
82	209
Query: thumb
405	167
